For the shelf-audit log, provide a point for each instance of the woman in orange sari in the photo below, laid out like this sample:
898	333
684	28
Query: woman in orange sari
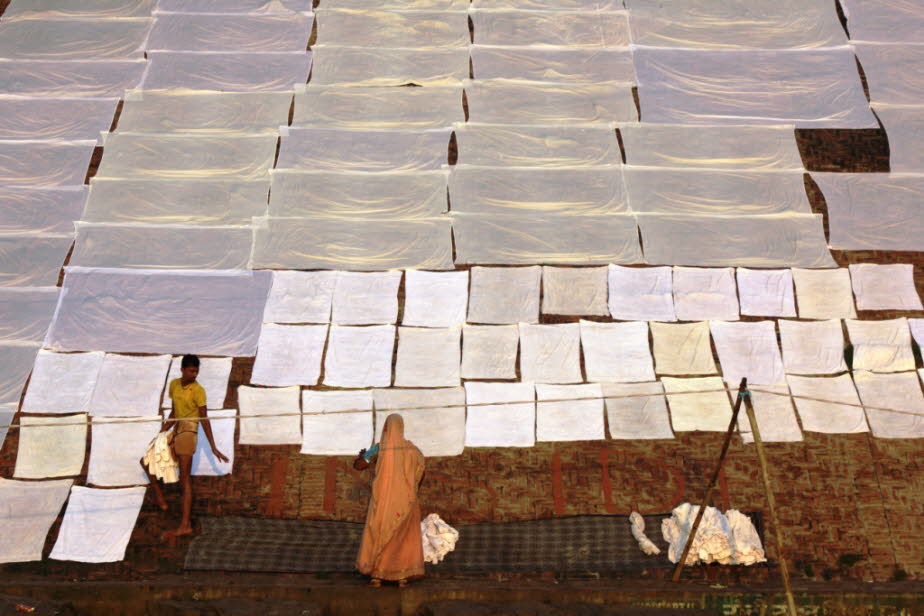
391	547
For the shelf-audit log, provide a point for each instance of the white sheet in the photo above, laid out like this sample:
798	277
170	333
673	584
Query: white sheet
29	510
129	386
570	420
214	373
435	5
98	524
390	29
365	66
289	355
682	348
156	311
570	290
263	7
507	101
904	126
776	417
705	294
357	244
300	297
500	425
709	412
73	39
116	448
382	107
733	148
336	434
232	33
641	293
366	298
204	462
828	417
359	356
892	391
748	349
227	72
32	260
637	411
893	71
489	351
50	450
824	294
358	195
40	210
49	9
716	193
46	118
875	211
428	357
7	412
569	5
16	360
436	431
62	382
809	88
536	146
616	352
794	240
338	149
57	79
257	402
884	20
25	312
766	293
559	64
884	287
500	295
435	299
550	353
881	346
812	347
551	28
44	163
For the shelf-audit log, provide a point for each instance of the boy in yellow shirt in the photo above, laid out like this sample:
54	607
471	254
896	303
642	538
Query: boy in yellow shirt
188	412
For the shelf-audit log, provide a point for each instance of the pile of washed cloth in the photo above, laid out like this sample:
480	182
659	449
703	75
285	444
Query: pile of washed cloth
439	538
726	539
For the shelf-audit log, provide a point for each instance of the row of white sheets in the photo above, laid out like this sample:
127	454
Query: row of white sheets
886	21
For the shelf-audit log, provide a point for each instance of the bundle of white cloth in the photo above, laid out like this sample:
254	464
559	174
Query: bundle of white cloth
160	461
727	539
438	537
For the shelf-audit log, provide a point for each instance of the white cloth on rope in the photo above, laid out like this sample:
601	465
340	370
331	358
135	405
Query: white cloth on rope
115	449
204	461
712	543
489	351
519	28
828	417
641	293
748	349
642	416
436	431
776	417
616	352
289	355
550	353
129	386
439	538
504	295
256	402
62	382
359	356
428	357
49	450
214	373
881	346
29	509
682	348
572	420
704	294
366	298
710	412
766	293
378	66
824	294
435	299
98	524
73	39
901	391
884	286
500	425
336	434
812	347
579	291
50	9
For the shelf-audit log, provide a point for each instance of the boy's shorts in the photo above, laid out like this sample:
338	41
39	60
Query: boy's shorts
186	439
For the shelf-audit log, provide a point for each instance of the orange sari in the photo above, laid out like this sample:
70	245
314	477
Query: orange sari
391	547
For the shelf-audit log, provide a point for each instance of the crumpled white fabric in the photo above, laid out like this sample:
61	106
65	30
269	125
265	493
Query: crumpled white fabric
160	461
747	548
638	531
438	537
728	539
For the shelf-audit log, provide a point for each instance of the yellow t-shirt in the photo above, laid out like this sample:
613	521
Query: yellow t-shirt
186	400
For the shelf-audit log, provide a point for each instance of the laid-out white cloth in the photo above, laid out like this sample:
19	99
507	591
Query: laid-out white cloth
116	448
359	356
502	424
641	293
682	348
637	411
705	294
378	66
766	293
366	298
489	351
437	431
616	352
892	391
881	346
289	354
73	39
884	286
378	107
550	353
812	347
262	7
435	299
45	163
537	146
25	312
7	412
40	209
828	417
551	28
435	5
97	79
300	297
204	462
710	412
62	382
29	510
572	419
510	101
892	71
16	359
230	33
888	21
904	125
98	524
392	29
501	295
824	294
776	417
428	357
748	349
47	449
330	433
49	9
557	64
256	403
577	291
917	330
548	5
129	386
67	119
226	72
32	260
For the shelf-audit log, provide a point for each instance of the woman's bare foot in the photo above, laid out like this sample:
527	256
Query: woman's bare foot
402	583
374	583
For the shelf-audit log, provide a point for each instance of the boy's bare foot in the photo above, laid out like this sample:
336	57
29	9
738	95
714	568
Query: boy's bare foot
160	501
178	532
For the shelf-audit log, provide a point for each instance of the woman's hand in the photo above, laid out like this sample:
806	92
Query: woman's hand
218	455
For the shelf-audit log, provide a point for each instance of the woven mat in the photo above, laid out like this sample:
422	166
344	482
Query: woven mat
580	543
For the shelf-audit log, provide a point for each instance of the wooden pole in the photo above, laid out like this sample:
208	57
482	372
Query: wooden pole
742	392
771	502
